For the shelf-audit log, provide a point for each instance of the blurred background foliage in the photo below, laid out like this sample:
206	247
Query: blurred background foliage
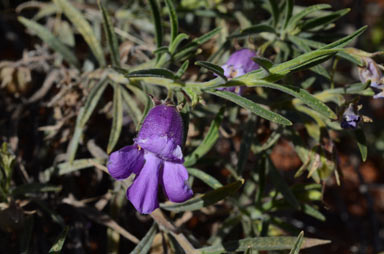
73	89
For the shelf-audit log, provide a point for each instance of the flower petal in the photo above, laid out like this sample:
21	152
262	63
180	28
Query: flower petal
174	180
125	161
143	192
162	133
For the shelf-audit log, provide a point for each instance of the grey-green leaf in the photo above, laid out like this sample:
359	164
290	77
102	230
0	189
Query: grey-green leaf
117	121
213	68
51	40
253	107
256	29
145	244
58	245
261	244
157	21
361	143
208	141
155	72
206	178
83	27
297	246
207	199
111	36
173	19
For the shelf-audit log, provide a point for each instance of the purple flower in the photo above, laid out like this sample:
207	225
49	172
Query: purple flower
371	72
350	118
155	158
239	63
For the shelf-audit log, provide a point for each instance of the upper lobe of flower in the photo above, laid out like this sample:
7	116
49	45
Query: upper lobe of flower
240	63
162	133
350	118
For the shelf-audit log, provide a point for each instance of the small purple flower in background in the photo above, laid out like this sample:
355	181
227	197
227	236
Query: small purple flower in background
371	72
155	158
239	63
350	118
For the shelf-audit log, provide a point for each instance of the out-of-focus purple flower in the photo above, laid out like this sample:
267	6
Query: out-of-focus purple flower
155	158
239	63
371	72
350	118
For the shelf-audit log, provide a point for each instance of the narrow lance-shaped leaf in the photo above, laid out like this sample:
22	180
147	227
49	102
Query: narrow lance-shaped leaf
206	178
208	141
155	72
253	107
58	246
256	29
275	13
297	246
180	72
324	20
157	21
173	19
111	35
288	13
83	27
146	242
176	42
361	143
207	199
299	93
213	68
117	121
51	40
261	244
308	10
84	115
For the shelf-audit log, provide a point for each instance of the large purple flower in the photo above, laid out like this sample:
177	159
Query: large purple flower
239	63
155	158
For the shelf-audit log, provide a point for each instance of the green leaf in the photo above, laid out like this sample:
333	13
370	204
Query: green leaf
274	10
58	245
117	122
145	244
281	185
157	21
132	107
51	40
207	199
261	244
264	63
253	107
324	20
173	19
155	72
162	49
213	68
287	13
176	42
84	115
208	179
111	35
309	210
308	10
361	143
28	188
78	20
68	167
299	93
297	246
256	29
345	40
180	72
208	141
26	235
192	46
